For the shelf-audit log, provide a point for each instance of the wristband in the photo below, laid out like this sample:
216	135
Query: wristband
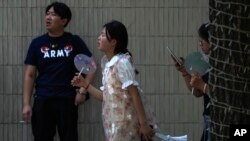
204	88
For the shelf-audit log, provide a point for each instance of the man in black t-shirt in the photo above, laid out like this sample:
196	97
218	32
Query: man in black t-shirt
50	68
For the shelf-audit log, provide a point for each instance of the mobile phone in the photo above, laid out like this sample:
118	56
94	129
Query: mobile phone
174	56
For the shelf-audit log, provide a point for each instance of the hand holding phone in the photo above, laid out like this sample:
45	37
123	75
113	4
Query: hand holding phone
174	57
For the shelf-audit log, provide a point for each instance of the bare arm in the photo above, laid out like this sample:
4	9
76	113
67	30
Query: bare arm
145	129
81	93
196	92
197	82
89	78
29	79
138	104
79	81
186	77
95	92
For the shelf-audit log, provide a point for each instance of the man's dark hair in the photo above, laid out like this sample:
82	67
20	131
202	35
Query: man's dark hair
62	10
203	32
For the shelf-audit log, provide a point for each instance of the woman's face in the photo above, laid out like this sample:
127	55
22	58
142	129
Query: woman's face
204	45
104	44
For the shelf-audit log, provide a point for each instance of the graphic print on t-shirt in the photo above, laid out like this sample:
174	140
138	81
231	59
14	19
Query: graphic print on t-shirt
49	53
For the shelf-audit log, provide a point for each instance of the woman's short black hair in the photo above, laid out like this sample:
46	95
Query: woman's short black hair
62	10
203	32
116	30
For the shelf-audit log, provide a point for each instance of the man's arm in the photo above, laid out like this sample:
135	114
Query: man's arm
29	79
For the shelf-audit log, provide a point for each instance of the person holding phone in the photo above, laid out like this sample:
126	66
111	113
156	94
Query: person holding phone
196	83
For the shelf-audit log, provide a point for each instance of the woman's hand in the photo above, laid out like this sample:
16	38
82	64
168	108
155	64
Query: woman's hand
180	66
197	82
79	81
147	132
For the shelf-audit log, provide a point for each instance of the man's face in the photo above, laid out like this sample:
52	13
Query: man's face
53	21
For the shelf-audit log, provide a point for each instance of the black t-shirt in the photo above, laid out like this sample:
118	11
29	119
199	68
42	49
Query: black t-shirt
206	97
54	59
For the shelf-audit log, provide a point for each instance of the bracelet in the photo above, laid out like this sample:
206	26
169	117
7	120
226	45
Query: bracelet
204	88
86	88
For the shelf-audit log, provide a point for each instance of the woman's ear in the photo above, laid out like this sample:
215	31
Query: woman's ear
113	42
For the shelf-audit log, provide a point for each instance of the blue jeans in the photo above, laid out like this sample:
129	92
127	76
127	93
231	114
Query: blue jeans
206	128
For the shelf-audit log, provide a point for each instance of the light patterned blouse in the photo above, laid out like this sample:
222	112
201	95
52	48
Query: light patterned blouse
120	121
119	117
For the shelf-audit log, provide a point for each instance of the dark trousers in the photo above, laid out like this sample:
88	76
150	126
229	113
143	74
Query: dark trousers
50	114
206	128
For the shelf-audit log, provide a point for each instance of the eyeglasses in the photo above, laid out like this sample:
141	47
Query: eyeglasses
202	42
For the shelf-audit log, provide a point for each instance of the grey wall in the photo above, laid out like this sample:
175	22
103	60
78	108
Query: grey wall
152	25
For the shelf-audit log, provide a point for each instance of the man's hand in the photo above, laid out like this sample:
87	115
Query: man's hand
26	114
80	97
